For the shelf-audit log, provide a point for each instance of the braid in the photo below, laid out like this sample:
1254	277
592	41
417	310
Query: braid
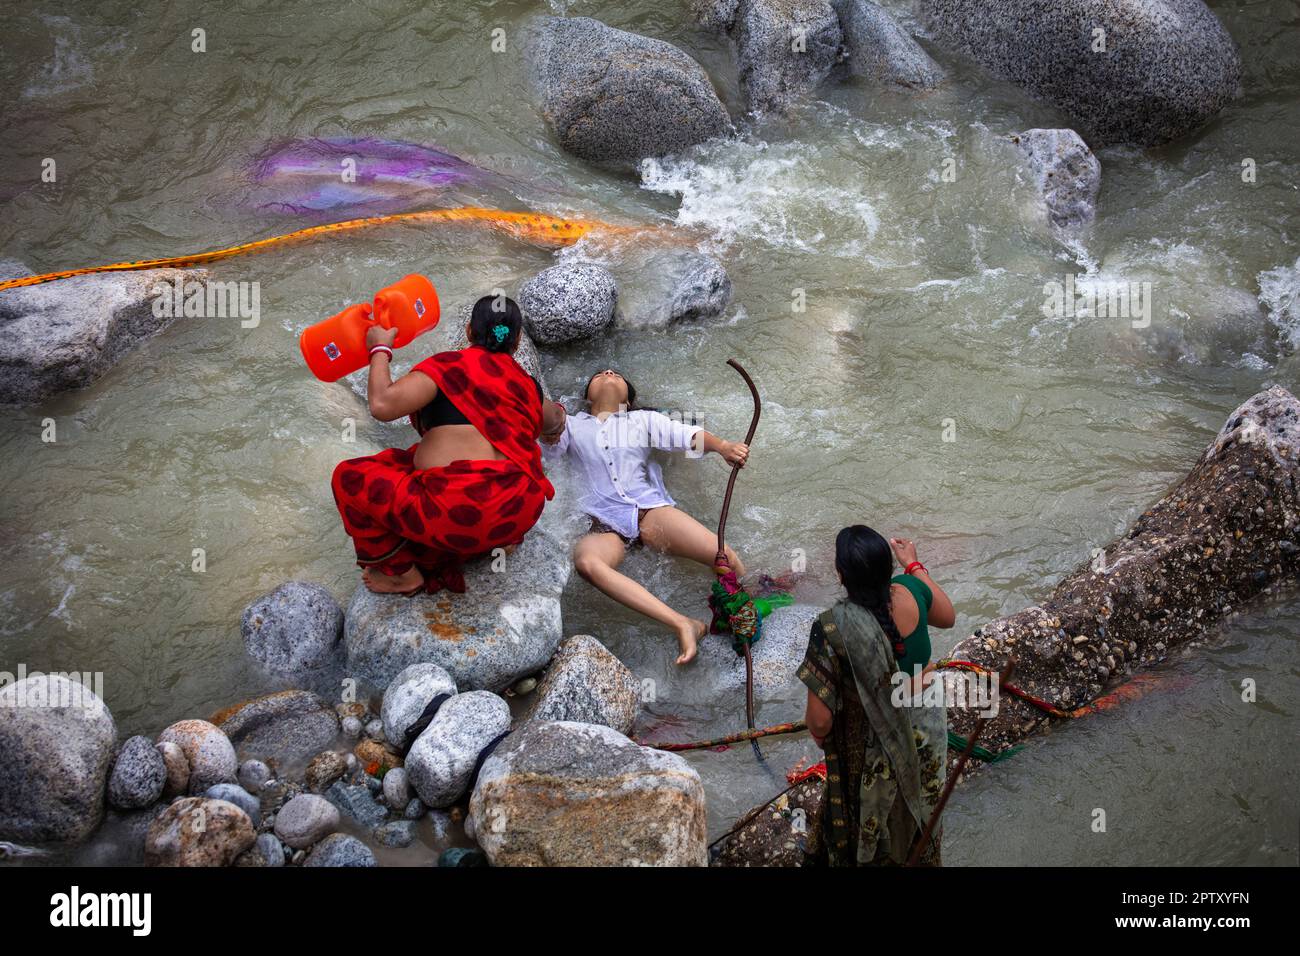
880	606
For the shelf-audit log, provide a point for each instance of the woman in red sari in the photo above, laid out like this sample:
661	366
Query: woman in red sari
473	483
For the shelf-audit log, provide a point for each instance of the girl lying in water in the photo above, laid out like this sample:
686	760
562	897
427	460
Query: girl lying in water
885	764
626	499
473	483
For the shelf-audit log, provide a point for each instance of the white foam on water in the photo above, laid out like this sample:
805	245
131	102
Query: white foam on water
1279	293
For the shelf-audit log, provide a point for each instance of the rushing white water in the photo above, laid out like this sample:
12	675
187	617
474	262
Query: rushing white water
924	312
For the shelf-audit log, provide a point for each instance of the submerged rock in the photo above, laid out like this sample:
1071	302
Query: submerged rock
305	820
207	750
506	626
776	659
569	794
286	726
67	334
407	696
139	775
1165	70
194	831
613	96
1226	533
671	285
587	684
569	301
357	802
339	849
878	49
294	631
233	793
442	759
1064	172
56	743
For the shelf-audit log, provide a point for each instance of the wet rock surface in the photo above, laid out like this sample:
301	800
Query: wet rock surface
876	48
194	831
138	776
786	832
207	750
442	759
784	49
1065	174
294	631
569	301
288	725
587	684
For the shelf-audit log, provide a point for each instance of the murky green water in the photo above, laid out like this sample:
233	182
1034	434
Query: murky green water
923	310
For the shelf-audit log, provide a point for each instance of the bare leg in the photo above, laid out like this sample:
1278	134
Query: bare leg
597	557
403	583
677	533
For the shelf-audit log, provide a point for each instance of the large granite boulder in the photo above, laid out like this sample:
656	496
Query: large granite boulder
207	750
506	626
784	49
1065	174
407	696
294	631
1229	531
617	97
568	302
194	831
286	726
56	743
587	684
442	759
1168	65
67	334
776	659
876	48
569	794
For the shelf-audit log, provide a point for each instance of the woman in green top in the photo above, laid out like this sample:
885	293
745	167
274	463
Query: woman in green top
884	763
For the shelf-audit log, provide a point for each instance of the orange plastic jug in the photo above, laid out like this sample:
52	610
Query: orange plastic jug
336	346
410	306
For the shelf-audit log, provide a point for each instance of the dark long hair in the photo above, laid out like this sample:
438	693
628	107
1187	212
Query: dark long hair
491	313
866	563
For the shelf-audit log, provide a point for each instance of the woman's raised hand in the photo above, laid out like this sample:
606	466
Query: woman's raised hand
378	335
735	453
904	549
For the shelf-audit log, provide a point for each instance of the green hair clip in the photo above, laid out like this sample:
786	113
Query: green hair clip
500	333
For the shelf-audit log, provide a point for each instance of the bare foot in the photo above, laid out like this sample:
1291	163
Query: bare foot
689	633
403	583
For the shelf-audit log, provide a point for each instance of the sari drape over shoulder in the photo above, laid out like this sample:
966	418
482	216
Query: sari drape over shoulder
885	762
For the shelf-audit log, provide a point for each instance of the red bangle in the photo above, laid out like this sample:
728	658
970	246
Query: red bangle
382	348
916	564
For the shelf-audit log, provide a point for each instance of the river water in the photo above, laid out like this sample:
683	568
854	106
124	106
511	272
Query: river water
921	389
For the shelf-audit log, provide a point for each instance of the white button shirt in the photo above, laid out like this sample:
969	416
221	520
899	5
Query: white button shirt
614	454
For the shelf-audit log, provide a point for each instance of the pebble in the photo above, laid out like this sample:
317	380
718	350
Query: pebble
352	728
398	833
253	775
306	819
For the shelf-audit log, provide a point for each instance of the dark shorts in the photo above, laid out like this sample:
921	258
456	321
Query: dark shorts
599	527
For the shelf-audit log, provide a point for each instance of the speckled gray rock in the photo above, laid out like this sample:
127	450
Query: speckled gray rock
1168	66
294	631
207	750
233	793
716	15
351	727
663	285
56	743
139	775
397	789
267	851
569	301
505	626
1064	172
252	775
415	809
67	334
617	97
194	831
772	71
408	695
357	802
442	759
878	49
339	849
587	684
568	794
288	725
398	833
178	769
306	819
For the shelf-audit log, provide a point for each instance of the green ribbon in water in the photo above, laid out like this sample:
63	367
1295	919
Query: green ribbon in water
958	743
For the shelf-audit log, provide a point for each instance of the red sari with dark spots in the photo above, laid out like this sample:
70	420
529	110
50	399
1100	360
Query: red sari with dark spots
437	518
